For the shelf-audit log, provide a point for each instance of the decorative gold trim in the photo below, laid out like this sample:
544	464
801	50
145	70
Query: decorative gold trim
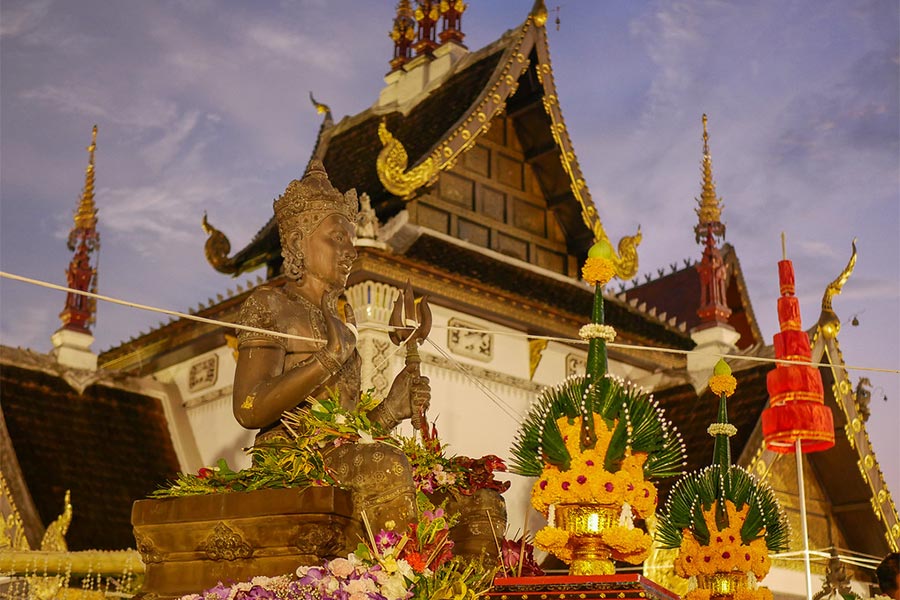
626	261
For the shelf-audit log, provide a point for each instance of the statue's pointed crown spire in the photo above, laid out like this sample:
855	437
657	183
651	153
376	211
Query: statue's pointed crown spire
709	209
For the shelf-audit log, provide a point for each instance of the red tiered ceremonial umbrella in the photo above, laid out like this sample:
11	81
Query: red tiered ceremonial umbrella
797	411
797	419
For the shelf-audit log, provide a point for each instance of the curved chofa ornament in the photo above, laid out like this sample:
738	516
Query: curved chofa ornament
392	162
828	319
217	248
626	262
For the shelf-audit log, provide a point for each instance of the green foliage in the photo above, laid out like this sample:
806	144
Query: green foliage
639	426
295	461
695	493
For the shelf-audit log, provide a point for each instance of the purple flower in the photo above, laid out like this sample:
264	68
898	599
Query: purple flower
386	539
257	591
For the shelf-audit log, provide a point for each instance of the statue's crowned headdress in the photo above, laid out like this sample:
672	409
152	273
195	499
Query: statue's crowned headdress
306	203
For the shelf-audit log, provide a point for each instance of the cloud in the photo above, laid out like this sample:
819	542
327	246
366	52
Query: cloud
163	151
24	18
126	109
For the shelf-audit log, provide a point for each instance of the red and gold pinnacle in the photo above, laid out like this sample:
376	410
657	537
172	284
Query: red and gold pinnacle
84	240
451	15
427	14
403	34
713	272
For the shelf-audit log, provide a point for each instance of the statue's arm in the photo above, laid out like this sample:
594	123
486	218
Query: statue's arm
263	390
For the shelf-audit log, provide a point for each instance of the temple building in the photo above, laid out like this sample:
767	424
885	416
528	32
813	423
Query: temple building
470	188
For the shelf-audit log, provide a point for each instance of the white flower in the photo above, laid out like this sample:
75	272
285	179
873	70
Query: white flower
365	437
393	587
626	517
597	330
340	419
721	429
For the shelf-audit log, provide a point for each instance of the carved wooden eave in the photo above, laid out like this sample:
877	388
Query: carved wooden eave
827	349
529	43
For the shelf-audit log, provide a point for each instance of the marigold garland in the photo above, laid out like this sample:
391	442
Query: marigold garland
598	270
722	384
725	552
587	481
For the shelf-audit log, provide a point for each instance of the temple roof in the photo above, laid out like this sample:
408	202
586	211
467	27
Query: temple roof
510	76
678	294
109	445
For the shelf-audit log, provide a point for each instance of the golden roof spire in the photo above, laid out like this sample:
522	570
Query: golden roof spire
86	214
709	208
84	240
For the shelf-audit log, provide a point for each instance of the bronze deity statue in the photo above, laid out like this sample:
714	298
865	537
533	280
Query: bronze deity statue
274	374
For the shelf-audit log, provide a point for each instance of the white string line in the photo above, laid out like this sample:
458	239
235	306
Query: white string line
502	404
164	311
516	334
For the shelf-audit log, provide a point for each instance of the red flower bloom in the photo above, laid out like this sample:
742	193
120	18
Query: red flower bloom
416	561
205	473
609	487
582	479
565	485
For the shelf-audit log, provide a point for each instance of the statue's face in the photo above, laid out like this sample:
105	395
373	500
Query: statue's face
328	252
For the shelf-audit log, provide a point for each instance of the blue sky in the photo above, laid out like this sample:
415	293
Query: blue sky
203	105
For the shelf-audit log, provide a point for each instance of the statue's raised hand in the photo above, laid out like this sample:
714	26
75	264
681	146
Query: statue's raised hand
340	339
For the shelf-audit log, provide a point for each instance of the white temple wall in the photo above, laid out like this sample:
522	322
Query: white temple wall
205	383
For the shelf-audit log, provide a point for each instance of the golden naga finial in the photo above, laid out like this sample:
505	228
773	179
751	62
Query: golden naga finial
322	109
86	215
391	166
217	248
54	539
828	320
709	208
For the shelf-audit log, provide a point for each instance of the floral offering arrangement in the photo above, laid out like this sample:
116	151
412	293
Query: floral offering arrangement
595	442
723	521
417	564
294	461
435	472
297	461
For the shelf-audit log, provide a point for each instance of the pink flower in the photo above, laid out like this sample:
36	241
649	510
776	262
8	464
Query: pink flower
582	479
341	567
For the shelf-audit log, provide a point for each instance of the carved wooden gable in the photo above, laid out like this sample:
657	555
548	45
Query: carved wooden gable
493	199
